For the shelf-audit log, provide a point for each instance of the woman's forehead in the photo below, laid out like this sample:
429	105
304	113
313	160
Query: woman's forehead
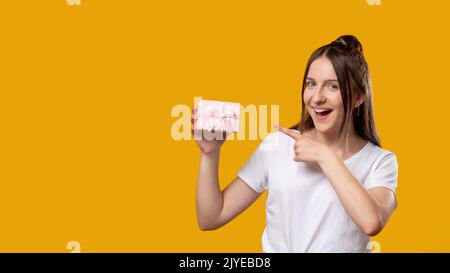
322	69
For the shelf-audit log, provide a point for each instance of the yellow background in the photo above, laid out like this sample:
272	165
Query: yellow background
86	94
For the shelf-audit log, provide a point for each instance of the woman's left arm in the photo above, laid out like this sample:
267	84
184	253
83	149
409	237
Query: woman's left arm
370	208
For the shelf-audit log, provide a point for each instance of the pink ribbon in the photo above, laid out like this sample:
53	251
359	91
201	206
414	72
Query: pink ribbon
219	118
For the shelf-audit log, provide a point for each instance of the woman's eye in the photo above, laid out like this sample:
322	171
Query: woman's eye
309	84
333	86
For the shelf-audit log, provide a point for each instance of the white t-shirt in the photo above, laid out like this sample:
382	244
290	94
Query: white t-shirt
303	212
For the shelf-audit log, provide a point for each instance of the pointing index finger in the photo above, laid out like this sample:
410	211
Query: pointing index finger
292	133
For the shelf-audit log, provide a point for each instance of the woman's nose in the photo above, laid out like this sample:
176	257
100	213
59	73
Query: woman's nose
318	96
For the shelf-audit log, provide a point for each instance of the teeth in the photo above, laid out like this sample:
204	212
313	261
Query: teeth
321	110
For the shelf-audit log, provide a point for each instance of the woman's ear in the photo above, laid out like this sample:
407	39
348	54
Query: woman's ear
360	100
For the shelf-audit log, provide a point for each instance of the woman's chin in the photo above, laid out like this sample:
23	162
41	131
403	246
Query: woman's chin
323	128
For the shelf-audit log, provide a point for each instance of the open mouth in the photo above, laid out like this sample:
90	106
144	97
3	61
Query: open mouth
323	113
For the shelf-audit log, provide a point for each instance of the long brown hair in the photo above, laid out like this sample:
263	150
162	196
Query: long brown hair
346	55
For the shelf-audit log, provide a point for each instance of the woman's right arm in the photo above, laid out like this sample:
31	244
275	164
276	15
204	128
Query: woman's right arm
215	208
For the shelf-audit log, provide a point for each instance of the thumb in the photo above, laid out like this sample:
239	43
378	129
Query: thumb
292	133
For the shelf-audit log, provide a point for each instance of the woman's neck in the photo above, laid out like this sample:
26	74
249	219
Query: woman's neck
344	145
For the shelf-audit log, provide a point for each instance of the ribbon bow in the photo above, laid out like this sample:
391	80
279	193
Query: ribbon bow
219	118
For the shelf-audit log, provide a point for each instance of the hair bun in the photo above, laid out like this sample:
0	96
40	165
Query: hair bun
349	42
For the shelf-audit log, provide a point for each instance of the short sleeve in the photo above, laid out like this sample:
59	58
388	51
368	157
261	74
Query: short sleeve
254	171
384	173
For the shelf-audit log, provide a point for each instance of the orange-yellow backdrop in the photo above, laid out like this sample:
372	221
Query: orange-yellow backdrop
86	95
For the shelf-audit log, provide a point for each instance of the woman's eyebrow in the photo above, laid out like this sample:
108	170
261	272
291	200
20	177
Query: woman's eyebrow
325	81
330	80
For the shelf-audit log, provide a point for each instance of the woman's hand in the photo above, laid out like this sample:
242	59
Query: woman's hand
306	148
209	142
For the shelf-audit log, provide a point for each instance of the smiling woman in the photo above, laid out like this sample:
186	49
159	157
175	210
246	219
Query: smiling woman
331	185
345	78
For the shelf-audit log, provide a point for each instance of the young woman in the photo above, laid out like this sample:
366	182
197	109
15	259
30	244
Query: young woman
330	184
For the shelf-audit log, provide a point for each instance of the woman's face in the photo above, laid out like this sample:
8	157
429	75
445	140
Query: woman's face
322	96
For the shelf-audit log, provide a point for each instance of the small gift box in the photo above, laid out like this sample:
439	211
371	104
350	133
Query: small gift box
217	116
